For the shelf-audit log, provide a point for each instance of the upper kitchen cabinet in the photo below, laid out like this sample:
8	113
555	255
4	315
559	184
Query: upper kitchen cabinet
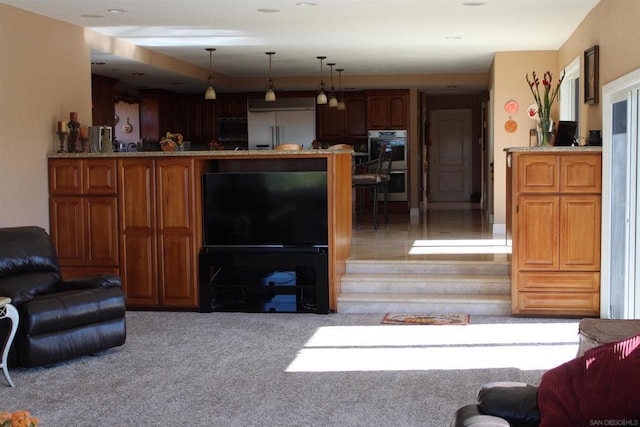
387	109
155	114
232	105
347	125
102	98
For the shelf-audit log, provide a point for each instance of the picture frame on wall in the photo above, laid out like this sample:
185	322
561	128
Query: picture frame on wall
591	75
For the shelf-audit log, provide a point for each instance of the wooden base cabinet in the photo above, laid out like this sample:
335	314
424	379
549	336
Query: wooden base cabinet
83	215
555	217
158	232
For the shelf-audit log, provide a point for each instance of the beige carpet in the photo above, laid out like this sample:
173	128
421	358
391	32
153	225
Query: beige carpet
425	319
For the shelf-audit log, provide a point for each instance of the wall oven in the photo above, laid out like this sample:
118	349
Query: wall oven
397	140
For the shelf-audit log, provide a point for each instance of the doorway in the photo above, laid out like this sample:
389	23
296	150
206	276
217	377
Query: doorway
450	157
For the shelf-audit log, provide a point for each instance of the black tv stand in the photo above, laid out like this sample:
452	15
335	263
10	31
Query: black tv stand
258	280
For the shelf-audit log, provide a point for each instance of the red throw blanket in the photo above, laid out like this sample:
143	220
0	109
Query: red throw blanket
600	388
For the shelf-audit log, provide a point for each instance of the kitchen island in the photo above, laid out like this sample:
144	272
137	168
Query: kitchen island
139	215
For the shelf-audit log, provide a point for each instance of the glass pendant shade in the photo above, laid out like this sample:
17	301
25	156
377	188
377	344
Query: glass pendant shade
333	101
270	95
210	93
341	105
321	98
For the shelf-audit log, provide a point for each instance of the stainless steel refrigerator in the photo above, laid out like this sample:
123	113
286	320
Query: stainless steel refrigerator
286	121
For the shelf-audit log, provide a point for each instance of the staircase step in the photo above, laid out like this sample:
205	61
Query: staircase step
488	305
431	284
428	267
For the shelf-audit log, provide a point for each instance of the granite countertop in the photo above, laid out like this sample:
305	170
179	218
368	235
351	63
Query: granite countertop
580	148
207	153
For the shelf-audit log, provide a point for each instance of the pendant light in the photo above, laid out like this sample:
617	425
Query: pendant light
270	95
333	101
341	105
322	97
210	92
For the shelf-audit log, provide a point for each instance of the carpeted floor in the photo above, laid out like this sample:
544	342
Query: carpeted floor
236	369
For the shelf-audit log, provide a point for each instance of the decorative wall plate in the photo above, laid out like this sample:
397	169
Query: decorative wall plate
511	106
127	127
511	126
532	111
116	119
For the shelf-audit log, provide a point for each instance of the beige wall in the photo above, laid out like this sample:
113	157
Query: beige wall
509	71
44	74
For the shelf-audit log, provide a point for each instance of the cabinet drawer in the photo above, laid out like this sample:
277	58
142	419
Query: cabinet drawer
562	303
65	177
559	282
99	176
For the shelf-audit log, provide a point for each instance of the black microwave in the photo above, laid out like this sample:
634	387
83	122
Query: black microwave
232	129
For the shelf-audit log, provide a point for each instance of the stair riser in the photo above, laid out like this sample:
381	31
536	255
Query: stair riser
484	309
472	288
354	267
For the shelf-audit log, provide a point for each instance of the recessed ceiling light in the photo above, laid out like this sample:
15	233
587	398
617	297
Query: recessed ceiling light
116	10
269	10
306	3
474	3
92	16
453	37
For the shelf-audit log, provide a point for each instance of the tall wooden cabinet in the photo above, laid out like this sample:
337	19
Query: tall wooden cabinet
83	215
554	216
348	125
158	231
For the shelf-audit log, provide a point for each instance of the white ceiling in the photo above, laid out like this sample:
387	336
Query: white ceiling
361	36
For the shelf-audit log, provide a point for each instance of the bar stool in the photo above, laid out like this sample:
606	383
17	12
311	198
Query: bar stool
9	311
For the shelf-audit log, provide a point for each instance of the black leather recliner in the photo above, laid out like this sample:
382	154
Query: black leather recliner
59	319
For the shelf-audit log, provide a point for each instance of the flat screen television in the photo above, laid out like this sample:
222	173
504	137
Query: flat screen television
566	134
265	209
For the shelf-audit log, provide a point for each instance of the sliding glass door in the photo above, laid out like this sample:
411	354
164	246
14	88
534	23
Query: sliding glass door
620	288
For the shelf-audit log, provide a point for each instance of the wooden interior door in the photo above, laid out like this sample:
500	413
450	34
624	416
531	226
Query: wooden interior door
450	156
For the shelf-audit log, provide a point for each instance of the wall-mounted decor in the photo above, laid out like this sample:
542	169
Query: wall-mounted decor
591	75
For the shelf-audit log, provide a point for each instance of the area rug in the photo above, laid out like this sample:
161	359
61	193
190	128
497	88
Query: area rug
425	319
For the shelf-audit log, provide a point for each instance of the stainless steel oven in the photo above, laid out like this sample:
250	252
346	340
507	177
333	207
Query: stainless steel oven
397	141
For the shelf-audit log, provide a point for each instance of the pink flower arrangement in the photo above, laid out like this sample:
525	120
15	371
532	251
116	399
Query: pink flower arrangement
545	99
215	145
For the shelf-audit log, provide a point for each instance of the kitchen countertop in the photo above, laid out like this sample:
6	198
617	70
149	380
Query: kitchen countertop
581	148
207	153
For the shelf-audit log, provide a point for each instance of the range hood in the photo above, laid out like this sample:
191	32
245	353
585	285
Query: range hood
281	104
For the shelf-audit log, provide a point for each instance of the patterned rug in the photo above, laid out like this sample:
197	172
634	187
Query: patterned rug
425	319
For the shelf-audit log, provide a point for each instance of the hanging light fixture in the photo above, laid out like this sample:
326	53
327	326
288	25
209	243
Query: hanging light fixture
210	93
341	105
333	101
322	97
270	95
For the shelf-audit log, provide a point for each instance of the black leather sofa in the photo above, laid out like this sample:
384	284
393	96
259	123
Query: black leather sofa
59	319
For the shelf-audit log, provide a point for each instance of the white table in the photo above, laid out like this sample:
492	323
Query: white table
9	311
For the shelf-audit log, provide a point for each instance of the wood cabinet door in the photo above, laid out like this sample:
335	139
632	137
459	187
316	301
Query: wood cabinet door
397	108
538	173
65	176
66	215
355	117
330	123
136	200
101	231
581	173
177	275
537	232
580	219
99	176
377	112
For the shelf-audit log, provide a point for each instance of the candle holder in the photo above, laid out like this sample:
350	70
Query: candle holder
62	136
84	141
74	145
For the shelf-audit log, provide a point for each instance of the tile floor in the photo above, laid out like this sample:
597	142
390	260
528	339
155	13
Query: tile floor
438	234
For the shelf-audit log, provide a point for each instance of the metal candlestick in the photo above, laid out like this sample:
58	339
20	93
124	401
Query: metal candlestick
62	136
84	143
